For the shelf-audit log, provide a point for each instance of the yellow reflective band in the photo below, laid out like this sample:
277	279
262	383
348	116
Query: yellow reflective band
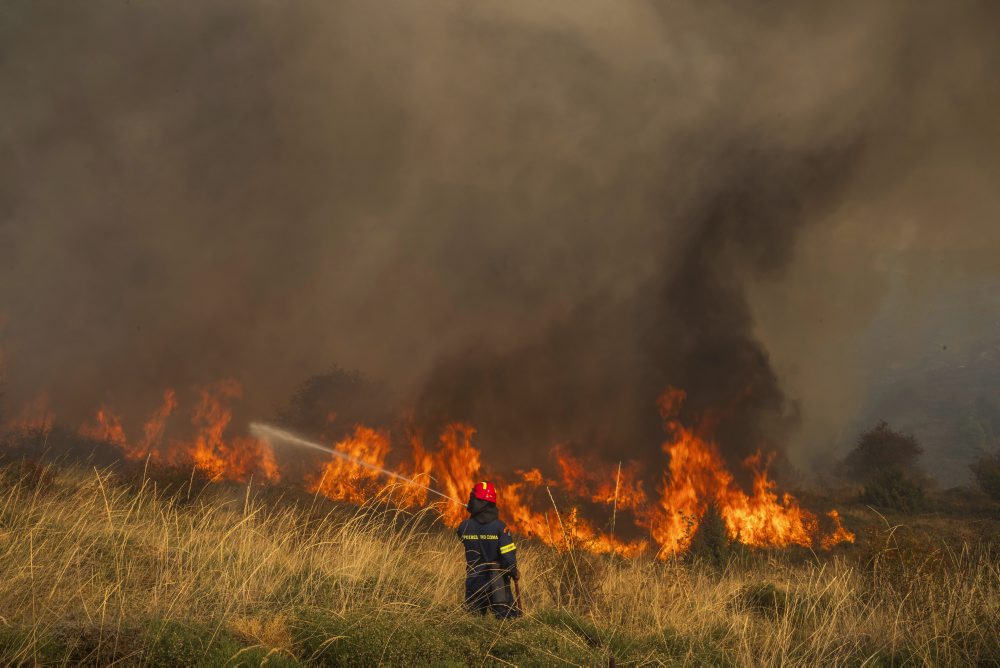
507	548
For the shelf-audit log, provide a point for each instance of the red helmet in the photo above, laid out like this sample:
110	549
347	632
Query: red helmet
485	491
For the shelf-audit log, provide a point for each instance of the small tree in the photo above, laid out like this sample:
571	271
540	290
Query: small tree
880	450
711	543
338	395
886	461
987	472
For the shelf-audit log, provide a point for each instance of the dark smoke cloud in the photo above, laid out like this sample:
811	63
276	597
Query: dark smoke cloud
592	379
532	217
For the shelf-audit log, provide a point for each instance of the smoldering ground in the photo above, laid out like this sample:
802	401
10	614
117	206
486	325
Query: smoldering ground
533	218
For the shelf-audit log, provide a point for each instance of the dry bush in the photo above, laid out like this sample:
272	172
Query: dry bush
987	472
896	490
882	449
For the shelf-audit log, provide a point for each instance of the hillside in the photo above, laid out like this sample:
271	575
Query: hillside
947	394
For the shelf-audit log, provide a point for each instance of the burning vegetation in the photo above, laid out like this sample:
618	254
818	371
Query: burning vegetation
644	511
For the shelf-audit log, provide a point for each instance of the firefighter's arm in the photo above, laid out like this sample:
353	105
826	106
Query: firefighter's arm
508	553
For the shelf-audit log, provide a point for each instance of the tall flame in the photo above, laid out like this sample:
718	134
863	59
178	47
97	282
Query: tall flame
697	477
106	427
154	427
554	511
209	450
236	458
341	479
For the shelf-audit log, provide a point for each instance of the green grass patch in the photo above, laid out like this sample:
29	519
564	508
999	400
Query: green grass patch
174	644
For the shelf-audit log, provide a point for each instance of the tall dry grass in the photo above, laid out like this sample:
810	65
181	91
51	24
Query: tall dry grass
96	568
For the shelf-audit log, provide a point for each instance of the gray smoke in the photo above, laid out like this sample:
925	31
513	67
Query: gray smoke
530	216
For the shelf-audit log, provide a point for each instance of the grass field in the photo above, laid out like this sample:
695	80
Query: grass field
99	568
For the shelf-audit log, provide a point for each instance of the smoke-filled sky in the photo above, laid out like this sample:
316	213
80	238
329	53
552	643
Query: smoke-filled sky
531	216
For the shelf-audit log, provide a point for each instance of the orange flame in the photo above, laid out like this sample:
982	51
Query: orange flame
106	427
695	477
210	451
839	533
452	468
456	468
237	458
344	480
152	430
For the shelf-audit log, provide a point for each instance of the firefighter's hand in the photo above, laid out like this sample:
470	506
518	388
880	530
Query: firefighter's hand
514	575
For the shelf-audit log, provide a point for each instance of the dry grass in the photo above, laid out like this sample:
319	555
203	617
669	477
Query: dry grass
98	569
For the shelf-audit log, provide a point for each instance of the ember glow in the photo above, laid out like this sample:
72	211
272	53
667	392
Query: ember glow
655	513
34	416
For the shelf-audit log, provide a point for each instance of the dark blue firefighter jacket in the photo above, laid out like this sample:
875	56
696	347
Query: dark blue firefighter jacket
490	560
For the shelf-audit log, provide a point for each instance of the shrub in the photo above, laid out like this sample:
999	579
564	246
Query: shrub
370	637
711	543
18	645
764	599
987	472
895	490
82	643
880	450
331	403
171	643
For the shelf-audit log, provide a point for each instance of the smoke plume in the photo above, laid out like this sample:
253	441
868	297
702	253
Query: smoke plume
534	217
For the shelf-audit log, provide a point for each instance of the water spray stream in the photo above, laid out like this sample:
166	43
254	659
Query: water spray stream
272	434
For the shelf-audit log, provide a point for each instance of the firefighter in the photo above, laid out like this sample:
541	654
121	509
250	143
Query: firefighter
490	557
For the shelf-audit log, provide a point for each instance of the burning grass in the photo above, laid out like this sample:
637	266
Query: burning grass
665	515
99	567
